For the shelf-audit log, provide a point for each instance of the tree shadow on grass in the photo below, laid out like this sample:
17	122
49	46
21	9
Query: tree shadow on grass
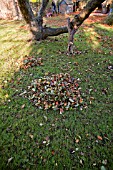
38	139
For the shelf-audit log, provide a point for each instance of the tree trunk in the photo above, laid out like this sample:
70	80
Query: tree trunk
9	9
40	31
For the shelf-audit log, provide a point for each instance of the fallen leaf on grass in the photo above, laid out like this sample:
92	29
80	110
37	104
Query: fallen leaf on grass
110	67
61	110
31	136
10	159
104	91
104	162
77	140
81	100
22	106
103	168
72	151
81	161
99	137
53	152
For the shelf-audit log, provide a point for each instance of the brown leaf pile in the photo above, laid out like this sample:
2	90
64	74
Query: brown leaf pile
58	92
30	61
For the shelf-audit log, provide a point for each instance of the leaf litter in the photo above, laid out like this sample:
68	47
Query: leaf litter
57	92
30	61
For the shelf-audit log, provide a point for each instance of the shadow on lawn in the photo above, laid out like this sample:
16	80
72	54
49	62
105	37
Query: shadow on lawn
81	139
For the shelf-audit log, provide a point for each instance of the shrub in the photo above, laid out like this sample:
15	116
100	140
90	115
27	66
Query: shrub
109	19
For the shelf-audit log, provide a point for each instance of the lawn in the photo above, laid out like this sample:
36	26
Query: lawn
77	138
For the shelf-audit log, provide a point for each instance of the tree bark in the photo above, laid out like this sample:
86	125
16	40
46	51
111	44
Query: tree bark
9	9
26	11
71	33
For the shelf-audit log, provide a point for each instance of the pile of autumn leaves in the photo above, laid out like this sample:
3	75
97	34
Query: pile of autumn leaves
29	61
56	91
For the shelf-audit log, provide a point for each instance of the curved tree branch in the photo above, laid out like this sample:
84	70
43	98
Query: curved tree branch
84	14
48	31
43	7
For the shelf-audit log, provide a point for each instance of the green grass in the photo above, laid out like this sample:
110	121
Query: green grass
38	139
